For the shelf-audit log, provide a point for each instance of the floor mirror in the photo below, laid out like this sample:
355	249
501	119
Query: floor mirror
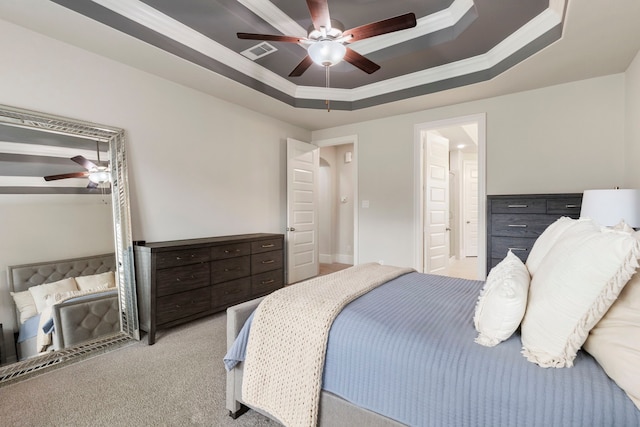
55	168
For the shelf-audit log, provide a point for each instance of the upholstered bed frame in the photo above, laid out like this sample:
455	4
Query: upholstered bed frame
334	411
68	316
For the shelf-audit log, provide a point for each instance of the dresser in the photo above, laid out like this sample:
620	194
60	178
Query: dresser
182	280
515	221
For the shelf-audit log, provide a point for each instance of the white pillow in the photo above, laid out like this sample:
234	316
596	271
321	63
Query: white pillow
548	238
615	341
40	292
502	301
574	286
95	280
61	296
25	304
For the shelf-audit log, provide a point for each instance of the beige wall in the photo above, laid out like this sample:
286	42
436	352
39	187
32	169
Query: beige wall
632	125
564	138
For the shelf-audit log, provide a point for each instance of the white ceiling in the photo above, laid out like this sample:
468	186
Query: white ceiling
599	38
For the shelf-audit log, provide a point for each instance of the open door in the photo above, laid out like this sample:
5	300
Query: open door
436	209
470	212
303	167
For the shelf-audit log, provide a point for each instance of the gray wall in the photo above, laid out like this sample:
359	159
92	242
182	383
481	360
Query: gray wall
565	138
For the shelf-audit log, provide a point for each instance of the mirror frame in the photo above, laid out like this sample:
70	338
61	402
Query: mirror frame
129	326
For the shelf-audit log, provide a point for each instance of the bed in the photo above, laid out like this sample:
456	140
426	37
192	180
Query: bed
406	353
77	301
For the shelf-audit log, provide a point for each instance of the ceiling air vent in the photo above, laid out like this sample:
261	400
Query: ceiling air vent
258	51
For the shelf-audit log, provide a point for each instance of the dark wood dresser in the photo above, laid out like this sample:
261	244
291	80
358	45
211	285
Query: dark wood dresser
182	280
515	221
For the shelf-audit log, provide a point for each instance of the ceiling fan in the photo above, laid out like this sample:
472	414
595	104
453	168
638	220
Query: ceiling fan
97	174
327	39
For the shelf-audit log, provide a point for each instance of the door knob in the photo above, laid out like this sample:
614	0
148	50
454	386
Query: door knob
291	229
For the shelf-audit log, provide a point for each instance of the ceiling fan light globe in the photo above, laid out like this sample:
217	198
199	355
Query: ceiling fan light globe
327	52
99	177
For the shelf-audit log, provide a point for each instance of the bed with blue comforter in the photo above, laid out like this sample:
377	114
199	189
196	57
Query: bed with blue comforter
404	353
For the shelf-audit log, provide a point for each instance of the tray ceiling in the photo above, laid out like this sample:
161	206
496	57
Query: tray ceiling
455	43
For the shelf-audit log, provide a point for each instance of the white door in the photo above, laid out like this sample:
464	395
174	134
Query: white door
302	210
436	209
470	208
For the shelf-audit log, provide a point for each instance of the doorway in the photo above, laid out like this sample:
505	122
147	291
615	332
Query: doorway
450	228
337	203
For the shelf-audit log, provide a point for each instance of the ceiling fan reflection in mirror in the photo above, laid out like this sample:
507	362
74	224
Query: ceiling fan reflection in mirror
327	41
97	173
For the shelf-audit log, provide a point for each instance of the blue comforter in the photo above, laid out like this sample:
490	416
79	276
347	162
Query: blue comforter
405	350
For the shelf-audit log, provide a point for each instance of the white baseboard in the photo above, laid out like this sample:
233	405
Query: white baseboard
343	259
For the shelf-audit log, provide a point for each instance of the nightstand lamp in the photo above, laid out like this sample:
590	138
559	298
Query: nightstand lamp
609	207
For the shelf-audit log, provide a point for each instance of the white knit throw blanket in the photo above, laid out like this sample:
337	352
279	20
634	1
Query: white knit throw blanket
287	344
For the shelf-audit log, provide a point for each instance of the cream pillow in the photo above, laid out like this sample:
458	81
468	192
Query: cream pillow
40	292
95	280
61	296
25	304
615	341
549	237
575	284
502	302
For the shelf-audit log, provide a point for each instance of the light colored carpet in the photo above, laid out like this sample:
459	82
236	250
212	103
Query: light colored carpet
178	381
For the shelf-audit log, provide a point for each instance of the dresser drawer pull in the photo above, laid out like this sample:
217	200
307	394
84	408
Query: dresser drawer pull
232	269
269	261
518	206
178	279
517	225
266	282
270	245
518	249
228	251
178	258
571	206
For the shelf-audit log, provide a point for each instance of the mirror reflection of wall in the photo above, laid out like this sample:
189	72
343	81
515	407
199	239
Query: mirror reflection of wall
45	221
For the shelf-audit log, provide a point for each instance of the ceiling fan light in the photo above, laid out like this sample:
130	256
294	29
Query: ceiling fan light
327	52
100	176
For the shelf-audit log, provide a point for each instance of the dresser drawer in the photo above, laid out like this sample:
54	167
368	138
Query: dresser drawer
520	246
264	283
520	225
182	257
229	293
266	245
230	250
519	205
229	269
567	207
180	279
183	304
266	261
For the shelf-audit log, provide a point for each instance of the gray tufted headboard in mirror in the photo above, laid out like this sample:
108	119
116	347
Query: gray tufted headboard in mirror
74	321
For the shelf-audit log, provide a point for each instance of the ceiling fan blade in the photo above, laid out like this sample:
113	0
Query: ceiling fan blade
301	67
401	22
87	164
67	175
366	65
273	38
319	10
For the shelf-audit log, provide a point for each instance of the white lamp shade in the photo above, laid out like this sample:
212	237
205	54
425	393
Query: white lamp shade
609	207
327	52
